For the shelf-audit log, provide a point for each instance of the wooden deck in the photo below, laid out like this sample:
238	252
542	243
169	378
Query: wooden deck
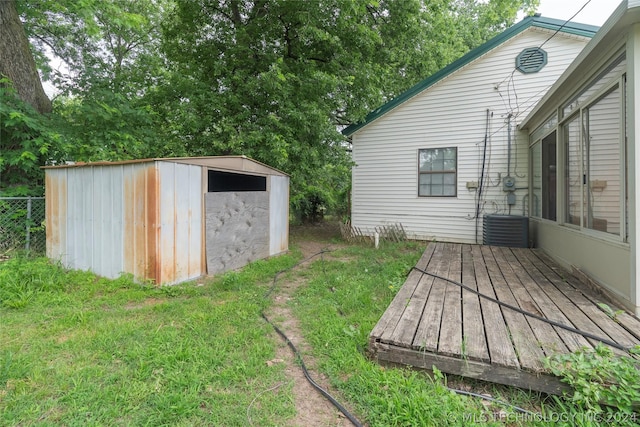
433	322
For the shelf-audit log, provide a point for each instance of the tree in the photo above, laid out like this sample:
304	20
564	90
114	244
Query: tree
272	79
111	60
276	79
16	59
27	141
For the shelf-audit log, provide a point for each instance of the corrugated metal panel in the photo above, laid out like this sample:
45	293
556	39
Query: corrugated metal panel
79	218
56	214
168	218
452	113
180	213
278	215
238	164
89	229
196	265
106	229
140	221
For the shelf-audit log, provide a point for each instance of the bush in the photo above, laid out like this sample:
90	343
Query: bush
602	381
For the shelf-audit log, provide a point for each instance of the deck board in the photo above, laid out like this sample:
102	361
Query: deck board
588	303
523	337
428	330
598	322
387	324
501	351
553	306
524	289
451	330
473	336
435	322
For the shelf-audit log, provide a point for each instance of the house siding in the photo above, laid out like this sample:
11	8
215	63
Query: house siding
610	259
453	113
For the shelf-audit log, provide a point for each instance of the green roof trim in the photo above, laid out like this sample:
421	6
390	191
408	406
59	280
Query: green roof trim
531	21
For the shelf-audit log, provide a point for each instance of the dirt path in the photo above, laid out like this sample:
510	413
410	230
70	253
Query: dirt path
313	409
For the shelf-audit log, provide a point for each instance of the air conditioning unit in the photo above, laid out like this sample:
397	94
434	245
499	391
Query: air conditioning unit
506	230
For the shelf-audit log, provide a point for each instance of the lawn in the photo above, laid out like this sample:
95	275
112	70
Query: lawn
76	349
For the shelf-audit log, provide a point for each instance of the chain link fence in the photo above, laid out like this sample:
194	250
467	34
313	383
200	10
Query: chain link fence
22	225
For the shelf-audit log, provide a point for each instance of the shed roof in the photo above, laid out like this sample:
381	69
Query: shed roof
531	21
228	163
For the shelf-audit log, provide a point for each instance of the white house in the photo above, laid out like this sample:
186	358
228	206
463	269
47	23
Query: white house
447	152
585	162
539	123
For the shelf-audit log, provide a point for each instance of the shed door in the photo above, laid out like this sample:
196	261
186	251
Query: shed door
237	229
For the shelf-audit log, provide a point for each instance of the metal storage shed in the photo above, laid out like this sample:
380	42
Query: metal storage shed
166	220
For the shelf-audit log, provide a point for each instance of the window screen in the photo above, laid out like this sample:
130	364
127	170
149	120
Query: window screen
437	172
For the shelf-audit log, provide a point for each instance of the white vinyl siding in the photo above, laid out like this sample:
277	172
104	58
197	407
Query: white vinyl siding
453	113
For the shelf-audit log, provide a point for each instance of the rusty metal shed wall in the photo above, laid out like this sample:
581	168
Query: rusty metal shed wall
181	222
140	222
103	199
97	218
56	214
145	217
278	214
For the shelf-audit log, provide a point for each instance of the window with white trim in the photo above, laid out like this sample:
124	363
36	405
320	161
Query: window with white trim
437	172
594	165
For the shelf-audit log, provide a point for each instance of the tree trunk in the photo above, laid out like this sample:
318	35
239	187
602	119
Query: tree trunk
16	59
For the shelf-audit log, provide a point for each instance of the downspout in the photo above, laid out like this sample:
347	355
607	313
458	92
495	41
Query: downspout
484	159
509	150
509	145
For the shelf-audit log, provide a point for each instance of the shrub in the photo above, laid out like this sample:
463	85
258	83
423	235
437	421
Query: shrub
602	381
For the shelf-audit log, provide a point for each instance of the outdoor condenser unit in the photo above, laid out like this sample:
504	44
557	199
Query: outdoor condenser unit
506	230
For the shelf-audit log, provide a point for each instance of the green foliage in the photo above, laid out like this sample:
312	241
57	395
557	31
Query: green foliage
103	44
274	80
111	62
599	377
103	125
609	311
27	141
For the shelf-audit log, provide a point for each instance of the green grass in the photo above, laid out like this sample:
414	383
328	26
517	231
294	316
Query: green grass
76	349
340	305
79	350
337	310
